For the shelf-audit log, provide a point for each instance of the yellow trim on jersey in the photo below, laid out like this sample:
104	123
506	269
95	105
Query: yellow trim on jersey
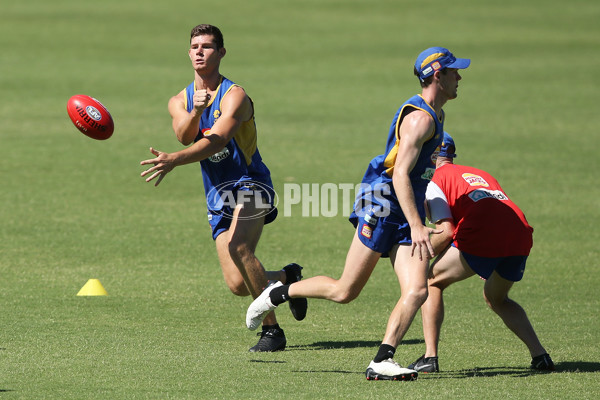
245	137
224	94
212	98
390	159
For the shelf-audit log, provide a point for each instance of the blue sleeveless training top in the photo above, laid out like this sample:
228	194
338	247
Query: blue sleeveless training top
377	188
239	162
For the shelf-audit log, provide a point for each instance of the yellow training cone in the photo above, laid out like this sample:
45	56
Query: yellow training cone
93	287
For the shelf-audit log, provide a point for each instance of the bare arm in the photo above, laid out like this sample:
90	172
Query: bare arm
416	129
186	124
235	108
438	212
442	240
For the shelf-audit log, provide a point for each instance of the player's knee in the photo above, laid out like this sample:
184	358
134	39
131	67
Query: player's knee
238	289
237	286
494	302
437	283
416	296
345	296
241	291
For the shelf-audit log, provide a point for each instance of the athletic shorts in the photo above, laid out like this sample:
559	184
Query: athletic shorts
220	220
381	234
510	268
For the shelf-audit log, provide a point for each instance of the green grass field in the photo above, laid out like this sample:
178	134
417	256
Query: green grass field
326	77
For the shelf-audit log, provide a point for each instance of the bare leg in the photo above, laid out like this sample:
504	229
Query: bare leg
496	295
448	268
236	249
412	276
360	263
231	273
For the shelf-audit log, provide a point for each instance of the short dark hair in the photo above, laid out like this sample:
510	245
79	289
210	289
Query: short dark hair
427	81
206	29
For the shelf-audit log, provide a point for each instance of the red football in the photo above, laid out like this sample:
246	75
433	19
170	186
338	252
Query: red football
90	117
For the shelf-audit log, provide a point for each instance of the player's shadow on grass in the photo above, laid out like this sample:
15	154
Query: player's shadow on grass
331	371
517	372
577	366
488	372
484	372
348	344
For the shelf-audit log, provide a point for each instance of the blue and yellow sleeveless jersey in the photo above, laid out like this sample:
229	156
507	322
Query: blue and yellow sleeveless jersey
377	191
239	163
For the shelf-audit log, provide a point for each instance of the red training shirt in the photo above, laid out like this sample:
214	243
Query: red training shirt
488	223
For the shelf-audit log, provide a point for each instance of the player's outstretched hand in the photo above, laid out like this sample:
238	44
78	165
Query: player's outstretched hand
163	164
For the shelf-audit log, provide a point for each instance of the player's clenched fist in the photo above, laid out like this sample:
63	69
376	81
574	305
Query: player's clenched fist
201	99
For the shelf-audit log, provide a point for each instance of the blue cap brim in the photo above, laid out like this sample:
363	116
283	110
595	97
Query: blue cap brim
460	63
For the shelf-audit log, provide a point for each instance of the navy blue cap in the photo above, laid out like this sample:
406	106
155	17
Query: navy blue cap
436	58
